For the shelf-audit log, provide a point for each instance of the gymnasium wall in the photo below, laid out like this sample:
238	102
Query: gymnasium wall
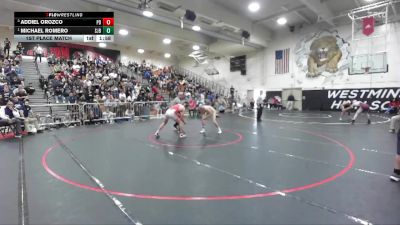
340	80
261	65
253	80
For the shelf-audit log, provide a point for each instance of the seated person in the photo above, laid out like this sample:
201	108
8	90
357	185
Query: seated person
252	104
15	82
30	89
58	95
20	93
10	116
393	106
30	121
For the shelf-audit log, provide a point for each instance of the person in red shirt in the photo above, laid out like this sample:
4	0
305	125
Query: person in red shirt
393	106
159	98
155	91
176	113
192	107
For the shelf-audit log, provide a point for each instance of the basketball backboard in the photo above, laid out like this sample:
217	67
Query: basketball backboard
377	63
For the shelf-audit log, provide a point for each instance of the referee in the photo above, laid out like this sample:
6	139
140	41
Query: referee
259	106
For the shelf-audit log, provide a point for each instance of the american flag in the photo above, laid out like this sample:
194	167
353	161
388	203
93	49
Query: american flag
282	61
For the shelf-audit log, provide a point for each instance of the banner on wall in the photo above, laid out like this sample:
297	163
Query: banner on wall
377	98
368	25
72	51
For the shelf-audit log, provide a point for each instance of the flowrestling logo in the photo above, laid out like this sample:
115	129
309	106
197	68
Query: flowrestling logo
377	98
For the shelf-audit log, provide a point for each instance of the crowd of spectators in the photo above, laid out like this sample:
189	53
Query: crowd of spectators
96	80
15	109
102	81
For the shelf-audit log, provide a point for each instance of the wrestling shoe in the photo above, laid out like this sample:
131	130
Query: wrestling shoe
391	131
219	131
340	119
202	131
369	121
157	135
352	122
182	135
395	177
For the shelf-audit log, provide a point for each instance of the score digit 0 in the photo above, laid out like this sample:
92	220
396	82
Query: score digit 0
108	21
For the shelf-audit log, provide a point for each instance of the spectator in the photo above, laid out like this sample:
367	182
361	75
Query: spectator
393	106
20	48
30	122
290	102
72	98
58	94
221	104
260	106
7	46
179	99
9	115
38	50
252	103
21	94
192	107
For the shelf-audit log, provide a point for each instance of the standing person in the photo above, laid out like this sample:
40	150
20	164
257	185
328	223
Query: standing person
19	47
290	102
7	46
362	107
260	107
207	111
176	113
38	52
192	107
396	171
222	104
345	107
394	123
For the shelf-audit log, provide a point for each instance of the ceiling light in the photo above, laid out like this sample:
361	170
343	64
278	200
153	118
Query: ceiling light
254	7
281	21
147	13
123	32
369	0
102	45
141	51
167	55
196	28
167	41
196	47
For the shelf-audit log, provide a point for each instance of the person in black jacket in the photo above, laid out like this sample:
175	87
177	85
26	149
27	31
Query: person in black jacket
260	106
290	102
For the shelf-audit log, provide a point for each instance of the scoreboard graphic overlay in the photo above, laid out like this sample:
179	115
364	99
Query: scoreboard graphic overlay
64	26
